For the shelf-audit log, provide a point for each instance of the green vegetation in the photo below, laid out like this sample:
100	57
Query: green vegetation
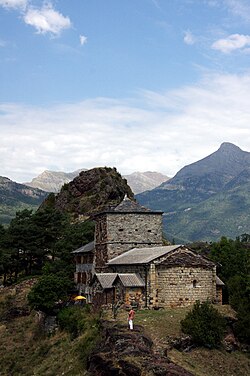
233	257
27	350
75	320
40	243
48	290
205	325
17	197
164	325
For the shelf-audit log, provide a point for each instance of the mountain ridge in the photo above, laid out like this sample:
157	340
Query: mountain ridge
15	197
204	196
52	181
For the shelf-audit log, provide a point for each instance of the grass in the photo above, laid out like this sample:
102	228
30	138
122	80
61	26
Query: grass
26	351
162	325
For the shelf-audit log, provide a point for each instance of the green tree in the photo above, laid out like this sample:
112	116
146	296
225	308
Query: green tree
205	325
31	238
75	236
48	291
233	257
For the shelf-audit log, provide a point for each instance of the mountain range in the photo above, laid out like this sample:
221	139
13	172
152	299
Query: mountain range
206	199
15	196
203	201
52	181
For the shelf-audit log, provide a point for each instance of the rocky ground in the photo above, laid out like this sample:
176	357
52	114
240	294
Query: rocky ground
124	352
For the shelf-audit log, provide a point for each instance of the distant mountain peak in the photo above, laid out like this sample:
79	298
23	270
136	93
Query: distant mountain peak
145	181
206	199
228	146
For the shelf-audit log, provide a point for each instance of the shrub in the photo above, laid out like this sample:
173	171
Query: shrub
205	325
47	291
242	326
72	319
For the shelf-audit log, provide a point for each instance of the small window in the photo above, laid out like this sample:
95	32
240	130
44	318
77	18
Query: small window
194	283
149	230
121	229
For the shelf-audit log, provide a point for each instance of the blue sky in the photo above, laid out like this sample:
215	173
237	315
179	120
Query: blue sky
136	84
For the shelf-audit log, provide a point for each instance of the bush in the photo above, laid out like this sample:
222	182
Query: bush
47	291
242	326
205	325
77	320
72	320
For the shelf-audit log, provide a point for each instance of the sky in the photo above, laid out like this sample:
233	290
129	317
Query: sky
140	85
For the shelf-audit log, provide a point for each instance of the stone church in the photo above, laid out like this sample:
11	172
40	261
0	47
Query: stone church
127	261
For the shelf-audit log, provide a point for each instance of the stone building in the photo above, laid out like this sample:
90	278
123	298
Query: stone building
111	288
127	226
173	275
128	247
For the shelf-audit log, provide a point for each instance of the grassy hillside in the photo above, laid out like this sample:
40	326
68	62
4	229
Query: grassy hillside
207	199
224	214
164	325
16	197
26	350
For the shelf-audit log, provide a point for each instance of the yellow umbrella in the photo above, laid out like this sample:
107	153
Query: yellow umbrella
80	297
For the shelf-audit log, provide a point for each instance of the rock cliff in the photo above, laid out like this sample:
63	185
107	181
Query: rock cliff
92	191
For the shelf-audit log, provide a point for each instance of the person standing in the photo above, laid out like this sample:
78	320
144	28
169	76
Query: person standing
131	316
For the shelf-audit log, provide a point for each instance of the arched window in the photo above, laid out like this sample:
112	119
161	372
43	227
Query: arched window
194	283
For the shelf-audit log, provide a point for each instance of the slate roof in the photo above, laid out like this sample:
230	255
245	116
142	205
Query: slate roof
127	279
219	282
142	255
86	248
131	280
128	205
106	279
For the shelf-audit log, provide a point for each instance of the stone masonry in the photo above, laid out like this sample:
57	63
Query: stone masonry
116	233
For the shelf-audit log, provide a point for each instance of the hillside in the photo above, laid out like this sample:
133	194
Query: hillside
92	191
15	197
206	199
27	350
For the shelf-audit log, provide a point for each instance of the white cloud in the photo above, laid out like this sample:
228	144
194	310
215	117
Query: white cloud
14	4
83	40
189	38
46	20
167	131
231	43
240	8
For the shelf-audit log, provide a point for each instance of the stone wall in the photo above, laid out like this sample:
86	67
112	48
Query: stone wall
117	233
143	271
137	228
181	286
130	296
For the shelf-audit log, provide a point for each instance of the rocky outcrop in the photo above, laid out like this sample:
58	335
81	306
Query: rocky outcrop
90	192
123	352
